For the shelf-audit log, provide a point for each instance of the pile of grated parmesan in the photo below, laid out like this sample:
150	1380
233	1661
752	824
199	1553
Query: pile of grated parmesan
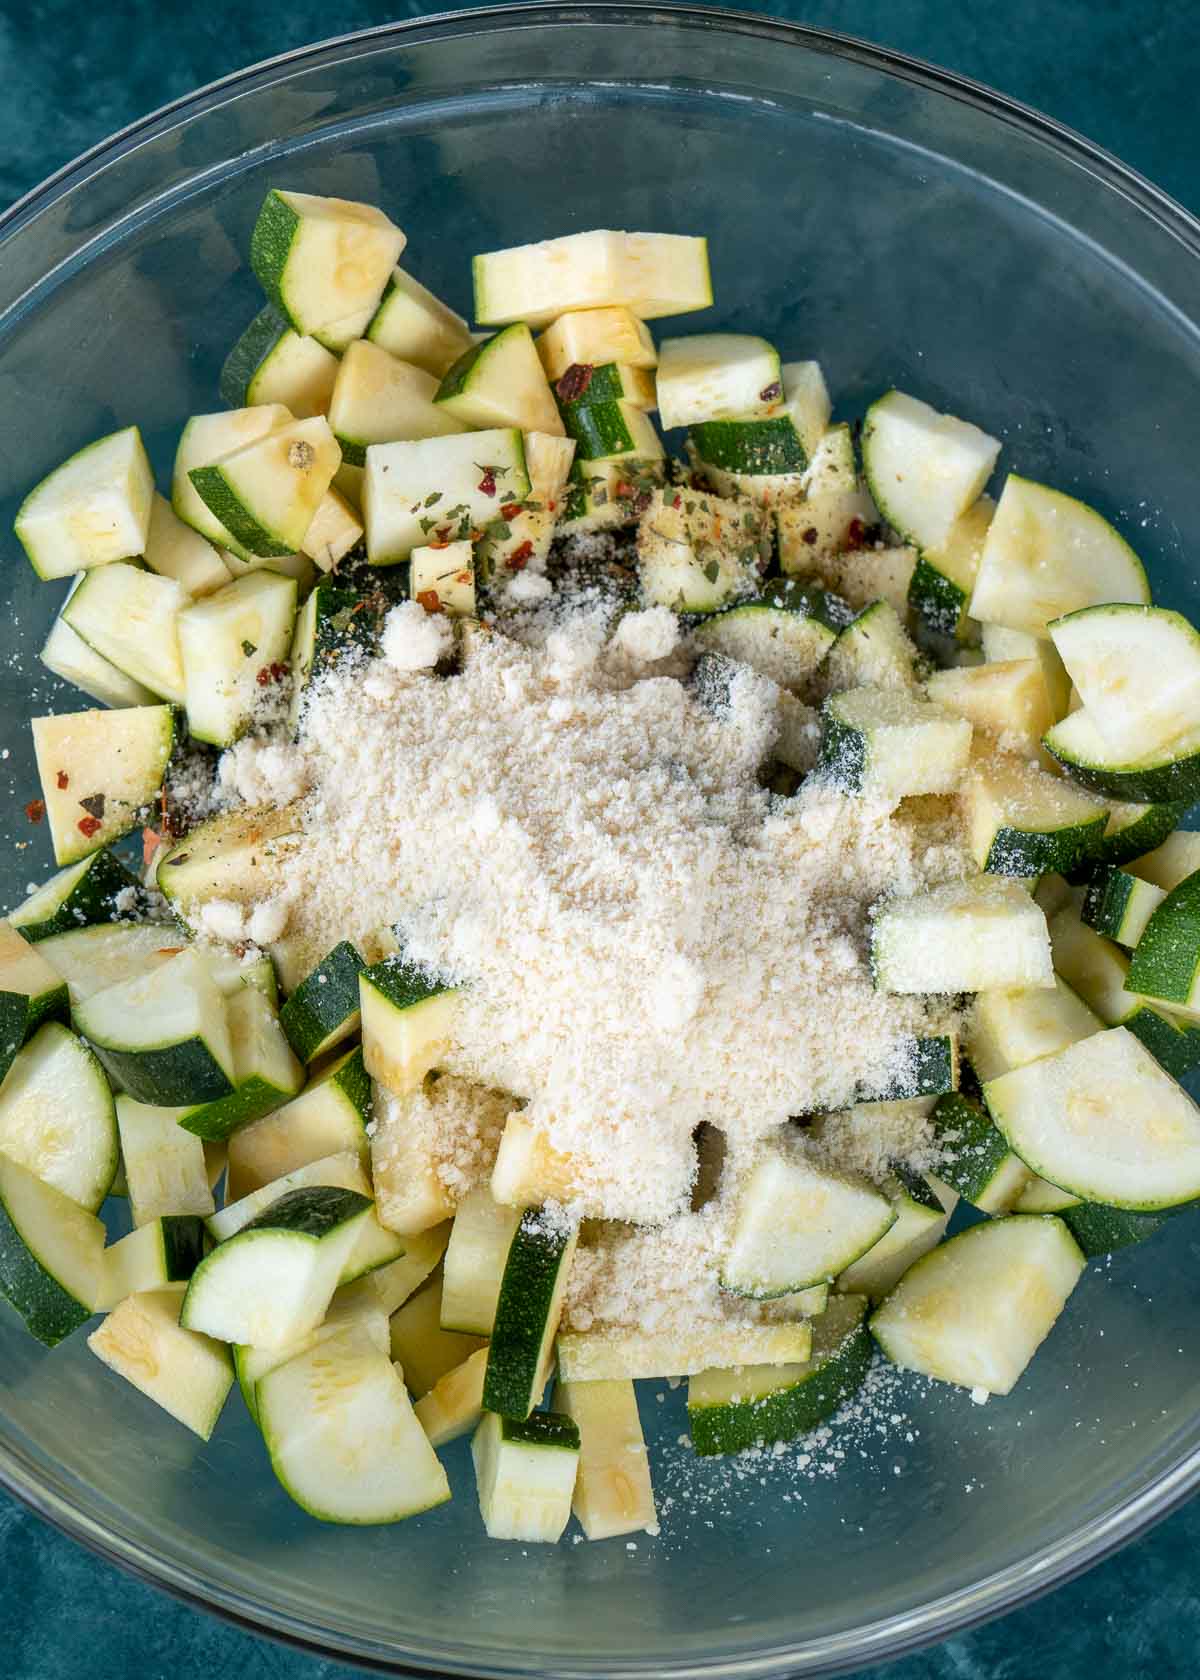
647	939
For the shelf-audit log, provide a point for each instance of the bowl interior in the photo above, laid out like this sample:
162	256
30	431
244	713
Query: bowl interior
906	234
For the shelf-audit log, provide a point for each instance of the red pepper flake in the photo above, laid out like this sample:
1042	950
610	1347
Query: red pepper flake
771	393
263	677
677	501
510	510
151	841
88	826
439	545
810	536
520	557
487	484
622	490
855	533
63	779
278	672
574	382
551	506
35	810
430	600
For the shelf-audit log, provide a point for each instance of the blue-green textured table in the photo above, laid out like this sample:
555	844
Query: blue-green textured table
1125	73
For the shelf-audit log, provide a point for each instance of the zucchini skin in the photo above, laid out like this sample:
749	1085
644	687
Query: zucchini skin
531	1274
50	1312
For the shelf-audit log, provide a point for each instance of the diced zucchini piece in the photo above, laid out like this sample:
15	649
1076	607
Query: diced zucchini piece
239	855
717	376
1018	1025
227	641
442	579
925	469
1099	972
272	1282
1119	904
187	1374
99	771
79	896
267	492
1101	1230
680	1351
1022	821
501	382
531	529
341	1171
1135	830
697	553
93	509
613	1495
324	1008
67	654
651	274
417	327
594	338
1166	963
164	1252
328	1117
412	1194
772	441
920	1067
1046	555
1040	1196
797	1225
836	510
964	936
480	1239
976	1160
921	1219
57	1117
90	959
1137	672
602	430
378	399
265	1073
887	745
872	650
335	530
862	576
976	1309
273	363
398	1282
1175	858
407	1022
355	1306
528	1169
608	495
525	1472
130	617
1001	644
51	1254
342	1435
205	439
1103	1120
1168	774
332	623
322	260
174	550
591	385
1008	700
165	1169
730	1411
419	1344
164	1035
454	1405
785	632
31	993
944	577
469	478
528	1309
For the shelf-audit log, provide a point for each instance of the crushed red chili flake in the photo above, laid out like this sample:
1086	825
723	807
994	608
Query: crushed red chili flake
487	484
63	779
520	557
510	510
263	677
573	384
855	533
430	600
771	393
439	545
676	501
810	536
35	810
622	489
151	841
88	826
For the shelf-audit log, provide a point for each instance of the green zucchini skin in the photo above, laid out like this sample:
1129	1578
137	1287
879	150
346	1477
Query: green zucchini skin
270	245
833	1373
937	600
50	1313
930	1070
542	1429
1135	839
178	1077
89	901
980	1147
223	504
1166	962
325	1005
1102	1230
770	445
250	351
531	1277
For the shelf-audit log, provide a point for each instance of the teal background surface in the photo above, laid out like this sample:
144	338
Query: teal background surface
1124	74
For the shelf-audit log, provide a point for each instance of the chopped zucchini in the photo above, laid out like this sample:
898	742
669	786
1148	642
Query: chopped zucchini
924	469
872	650
1007	700
1119	904
442	578
593	338
165	1168
333	531
378	399
425	1351
679	1351
1022	821
1101	1230
1137	830
613	1495
57	1117
407	1022
81	895
525	1471
697	553
265	1073
480	1239
976	1160
188	1375
1136	670
32	994
975	1311
228	640
328	1117
99	771
398	1282
528	1309
469	478
164	1035
90	959
965	936
175	550
323	262
797	1225
1172	860
651	274
1165	775
718	376
1166	963
454	1405
68	656
130	617
166	1251
417	327
944	577
273	363
784	632
1010	1027
239	855
51	1255
92	510
888	745
501	382
324	1008
922	1213
205	439
266	493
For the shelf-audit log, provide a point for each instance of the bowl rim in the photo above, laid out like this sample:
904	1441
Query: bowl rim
1016	1584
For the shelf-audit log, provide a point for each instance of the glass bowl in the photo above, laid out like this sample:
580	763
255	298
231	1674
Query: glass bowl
910	229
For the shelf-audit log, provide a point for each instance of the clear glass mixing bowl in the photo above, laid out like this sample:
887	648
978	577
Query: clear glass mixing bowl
909	229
